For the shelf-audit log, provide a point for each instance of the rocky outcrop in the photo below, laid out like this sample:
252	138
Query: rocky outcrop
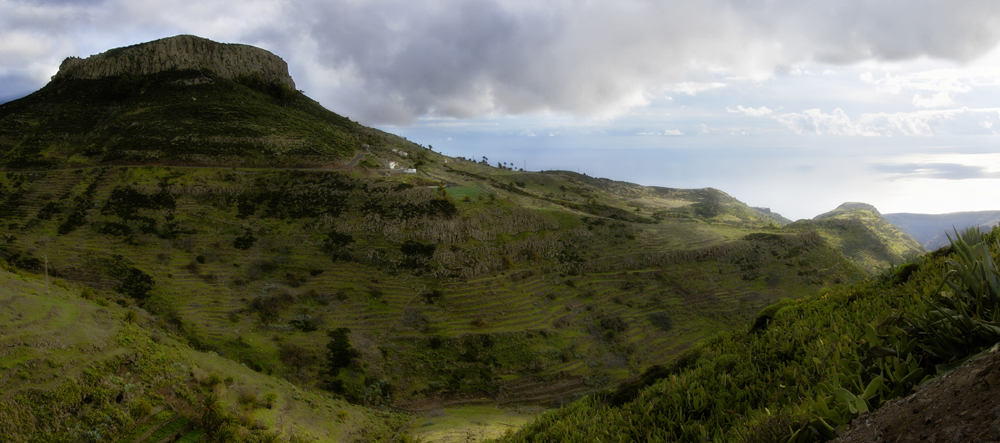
183	52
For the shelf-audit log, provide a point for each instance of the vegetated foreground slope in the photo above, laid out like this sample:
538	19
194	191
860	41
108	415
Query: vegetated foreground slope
75	367
932	230
803	370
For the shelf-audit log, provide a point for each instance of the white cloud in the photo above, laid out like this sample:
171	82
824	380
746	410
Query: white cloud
752	112
940	100
668	132
694	88
917	123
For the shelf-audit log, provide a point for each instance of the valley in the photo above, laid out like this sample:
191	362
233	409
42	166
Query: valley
200	254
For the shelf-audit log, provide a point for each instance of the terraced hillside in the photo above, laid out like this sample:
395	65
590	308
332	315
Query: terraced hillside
444	298
76	367
253	224
864	236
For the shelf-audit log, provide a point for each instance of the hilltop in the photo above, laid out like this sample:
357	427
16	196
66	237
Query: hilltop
254	225
180	101
864	236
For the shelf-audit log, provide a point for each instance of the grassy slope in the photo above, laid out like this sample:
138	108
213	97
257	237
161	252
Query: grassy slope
538	282
804	369
72	369
864	236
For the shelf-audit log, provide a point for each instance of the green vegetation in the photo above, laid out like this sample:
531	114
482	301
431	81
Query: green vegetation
279	250
70	370
806	367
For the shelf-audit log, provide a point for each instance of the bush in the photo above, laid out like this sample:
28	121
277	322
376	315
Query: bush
294	356
244	241
140	408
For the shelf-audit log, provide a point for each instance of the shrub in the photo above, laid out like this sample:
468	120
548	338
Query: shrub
140	408
433	296
294	356
244	241
246	396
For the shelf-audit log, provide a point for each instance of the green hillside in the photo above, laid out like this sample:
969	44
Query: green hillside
305	253
77	366
804	369
864	236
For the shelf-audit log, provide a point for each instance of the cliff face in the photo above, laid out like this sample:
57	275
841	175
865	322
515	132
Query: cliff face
181	52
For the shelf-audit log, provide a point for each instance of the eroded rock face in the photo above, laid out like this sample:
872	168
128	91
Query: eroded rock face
181	52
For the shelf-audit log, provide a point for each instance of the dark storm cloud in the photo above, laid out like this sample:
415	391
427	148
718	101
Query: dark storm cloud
945	171
391	61
459	59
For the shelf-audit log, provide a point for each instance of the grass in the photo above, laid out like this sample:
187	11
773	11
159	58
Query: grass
85	363
469	423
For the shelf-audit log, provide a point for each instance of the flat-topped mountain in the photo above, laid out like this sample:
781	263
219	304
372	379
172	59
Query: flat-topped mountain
183	52
185	101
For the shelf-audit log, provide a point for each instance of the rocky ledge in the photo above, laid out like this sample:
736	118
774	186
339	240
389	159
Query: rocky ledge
183	52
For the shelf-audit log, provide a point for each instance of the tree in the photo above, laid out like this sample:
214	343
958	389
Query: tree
339	351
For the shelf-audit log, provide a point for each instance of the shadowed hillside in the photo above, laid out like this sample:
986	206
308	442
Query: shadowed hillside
864	236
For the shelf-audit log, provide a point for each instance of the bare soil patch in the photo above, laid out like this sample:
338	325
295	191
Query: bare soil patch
960	406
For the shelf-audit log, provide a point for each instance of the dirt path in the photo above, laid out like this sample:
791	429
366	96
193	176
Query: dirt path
960	406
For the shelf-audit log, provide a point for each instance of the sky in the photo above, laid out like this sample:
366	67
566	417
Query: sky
795	105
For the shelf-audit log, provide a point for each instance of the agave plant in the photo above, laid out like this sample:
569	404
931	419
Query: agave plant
966	317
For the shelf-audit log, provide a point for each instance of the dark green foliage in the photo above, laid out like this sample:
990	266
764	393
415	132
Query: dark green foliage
51	208
132	281
613	324
338	245
245	208
112	228
276	90
23	261
764	317
126	202
269	307
83	202
967	318
244	241
413	247
433	296
339	351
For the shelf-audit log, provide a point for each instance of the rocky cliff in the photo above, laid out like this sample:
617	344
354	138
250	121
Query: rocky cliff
181	52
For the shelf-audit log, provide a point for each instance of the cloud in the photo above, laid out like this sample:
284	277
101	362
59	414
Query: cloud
944	171
665	132
393	61
940	100
917	123
752	112
693	88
